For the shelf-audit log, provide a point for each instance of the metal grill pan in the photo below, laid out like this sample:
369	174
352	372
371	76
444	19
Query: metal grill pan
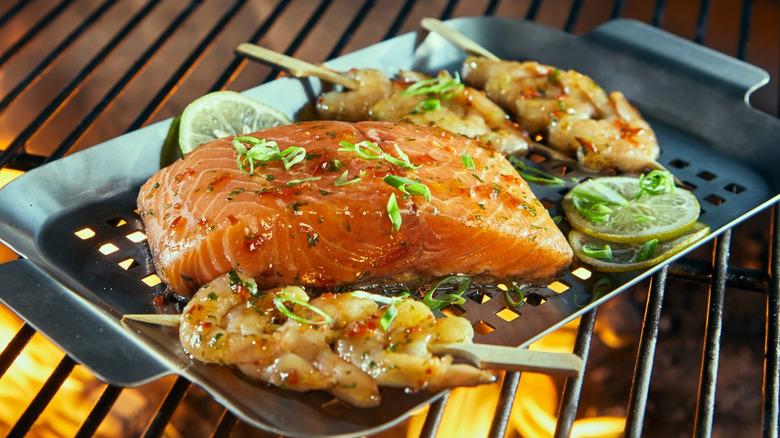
694	98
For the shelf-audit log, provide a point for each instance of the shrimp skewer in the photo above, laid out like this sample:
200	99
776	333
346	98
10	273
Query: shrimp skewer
575	115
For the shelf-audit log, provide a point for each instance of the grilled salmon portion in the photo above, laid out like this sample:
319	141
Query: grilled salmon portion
314	225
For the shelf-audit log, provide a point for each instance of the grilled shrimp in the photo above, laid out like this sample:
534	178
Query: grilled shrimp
333	343
463	110
571	110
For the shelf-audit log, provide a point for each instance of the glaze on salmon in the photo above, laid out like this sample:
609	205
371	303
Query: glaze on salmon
204	216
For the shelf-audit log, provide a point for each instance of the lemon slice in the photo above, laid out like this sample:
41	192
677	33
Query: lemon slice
631	257
223	114
653	216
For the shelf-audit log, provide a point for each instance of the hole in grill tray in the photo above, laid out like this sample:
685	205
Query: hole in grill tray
108	248
678	163
557	286
479	296
136	237
537	158
734	188
563	191
128	264
706	176
714	199
534	299
116	222
483	328
581	273
507	314
689	185
453	310
151	280
85	233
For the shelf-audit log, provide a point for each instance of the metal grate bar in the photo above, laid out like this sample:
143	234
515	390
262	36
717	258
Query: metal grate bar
701	271
506	399
448	10
12	350
227	422
399	19
19	142
232	70
12	11
744	29
491	7
571	20
640	383
34	30
165	411
433	418
658	13
533	10
701	23
37	72
99	411
572	389
617	9
705	408
129	75
44	396
353	25
301	37
181	73
771	404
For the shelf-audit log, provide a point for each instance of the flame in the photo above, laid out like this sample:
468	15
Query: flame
470	411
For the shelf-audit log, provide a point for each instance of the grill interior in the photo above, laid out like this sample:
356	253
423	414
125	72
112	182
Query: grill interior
42	139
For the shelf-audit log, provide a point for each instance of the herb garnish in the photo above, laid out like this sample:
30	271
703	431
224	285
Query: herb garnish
646	251
368	150
515	295
533	174
408	186
237	283
427	105
657	182
462	282
388	317
596	201
264	151
282	299
390	313
394	213
468	162
343	181
294	182
601	252
443	85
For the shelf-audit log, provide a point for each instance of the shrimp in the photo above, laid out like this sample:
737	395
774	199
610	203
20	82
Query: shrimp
571	110
335	342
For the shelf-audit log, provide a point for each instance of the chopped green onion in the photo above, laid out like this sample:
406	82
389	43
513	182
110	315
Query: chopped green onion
382	299
367	150
343	180
593	201
601	252
394	213
601	287
533	174
515	295
427	105
281	300
468	162
646	251
388	317
403	161
408	186
462	282
443	84
264	151
292	156
237	283
294	182
657	182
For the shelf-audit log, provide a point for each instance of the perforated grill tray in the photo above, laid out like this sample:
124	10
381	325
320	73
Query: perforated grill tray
75	289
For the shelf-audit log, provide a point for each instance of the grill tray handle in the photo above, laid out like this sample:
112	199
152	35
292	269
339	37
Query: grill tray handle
90	336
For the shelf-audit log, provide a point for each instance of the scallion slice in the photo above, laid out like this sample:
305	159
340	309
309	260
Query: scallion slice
408	186
646	251
468	162
462	282
601	252
280	302
394	213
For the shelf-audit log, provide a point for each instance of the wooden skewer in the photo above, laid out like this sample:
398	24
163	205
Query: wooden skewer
482	355
157	319
513	359
294	66
471	47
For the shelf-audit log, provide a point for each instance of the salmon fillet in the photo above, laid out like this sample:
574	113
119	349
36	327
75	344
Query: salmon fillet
204	216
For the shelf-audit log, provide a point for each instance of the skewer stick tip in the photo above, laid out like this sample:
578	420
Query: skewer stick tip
456	38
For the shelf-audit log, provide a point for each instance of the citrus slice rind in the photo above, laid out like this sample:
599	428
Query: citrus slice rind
663	217
624	254
223	114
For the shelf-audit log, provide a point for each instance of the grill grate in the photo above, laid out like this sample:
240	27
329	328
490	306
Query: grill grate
719	275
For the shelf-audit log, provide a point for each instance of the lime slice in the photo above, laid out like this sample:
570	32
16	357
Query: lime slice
652	216
624	256
222	114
